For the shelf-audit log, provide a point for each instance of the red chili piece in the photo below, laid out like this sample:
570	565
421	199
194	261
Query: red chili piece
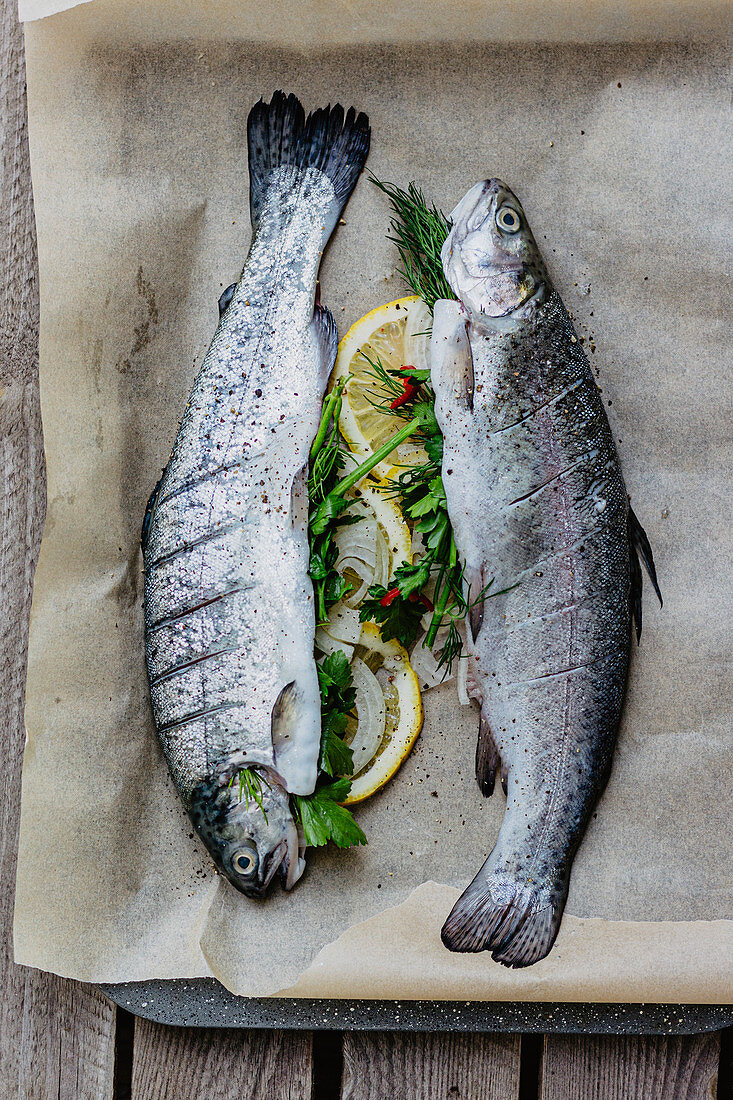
409	389
418	597
389	597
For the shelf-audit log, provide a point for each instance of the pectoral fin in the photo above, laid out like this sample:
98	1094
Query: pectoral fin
451	357
285	715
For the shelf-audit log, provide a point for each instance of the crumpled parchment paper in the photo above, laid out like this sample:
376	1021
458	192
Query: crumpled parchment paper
137	127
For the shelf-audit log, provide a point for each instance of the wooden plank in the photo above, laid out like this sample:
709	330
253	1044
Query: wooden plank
182	1063
441	1066
630	1067
56	1038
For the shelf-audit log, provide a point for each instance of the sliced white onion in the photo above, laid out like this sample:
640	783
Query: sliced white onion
358	539
343	623
355	597
417	336
381	568
461	682
326	644
425	664
372	715
358	546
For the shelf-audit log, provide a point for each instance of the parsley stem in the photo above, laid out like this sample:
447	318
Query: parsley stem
328	408
441	599
386	449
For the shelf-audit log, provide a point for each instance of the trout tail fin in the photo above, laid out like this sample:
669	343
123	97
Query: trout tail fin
515	921
331	140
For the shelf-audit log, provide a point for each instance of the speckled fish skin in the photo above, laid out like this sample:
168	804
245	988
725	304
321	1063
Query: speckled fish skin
229	608
538	506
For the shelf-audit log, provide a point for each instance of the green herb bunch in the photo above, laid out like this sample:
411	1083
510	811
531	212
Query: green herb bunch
398	609
321	816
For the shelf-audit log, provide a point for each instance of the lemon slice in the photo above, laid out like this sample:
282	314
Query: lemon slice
404	711
394	335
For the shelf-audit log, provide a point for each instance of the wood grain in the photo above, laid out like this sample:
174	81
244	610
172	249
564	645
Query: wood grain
200	1063
416	1066
629	1067
56	1038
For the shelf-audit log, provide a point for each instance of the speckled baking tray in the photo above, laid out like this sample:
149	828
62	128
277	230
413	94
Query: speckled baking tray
203	1002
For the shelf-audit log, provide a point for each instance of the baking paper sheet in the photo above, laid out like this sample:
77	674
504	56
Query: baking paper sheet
618	152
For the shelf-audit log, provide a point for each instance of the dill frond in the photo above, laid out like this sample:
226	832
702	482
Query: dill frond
251	788
419	232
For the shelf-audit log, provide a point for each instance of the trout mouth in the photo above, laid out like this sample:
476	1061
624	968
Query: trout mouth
275	861
284	858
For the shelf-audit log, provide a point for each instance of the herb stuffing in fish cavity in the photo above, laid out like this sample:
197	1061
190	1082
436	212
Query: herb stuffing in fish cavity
229	612
537	503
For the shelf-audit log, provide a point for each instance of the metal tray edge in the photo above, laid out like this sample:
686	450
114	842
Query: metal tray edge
204	1002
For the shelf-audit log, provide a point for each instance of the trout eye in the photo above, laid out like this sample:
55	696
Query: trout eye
507	219
245	862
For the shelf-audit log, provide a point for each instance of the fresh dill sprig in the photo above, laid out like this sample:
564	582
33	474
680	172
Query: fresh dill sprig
251	788
419	231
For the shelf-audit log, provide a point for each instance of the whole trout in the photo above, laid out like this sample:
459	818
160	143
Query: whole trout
541	519
229	612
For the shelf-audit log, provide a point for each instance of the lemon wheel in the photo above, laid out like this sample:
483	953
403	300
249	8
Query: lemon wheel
391	337
389	663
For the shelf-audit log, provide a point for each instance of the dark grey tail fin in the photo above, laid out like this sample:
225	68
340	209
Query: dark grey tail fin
507	918
279	133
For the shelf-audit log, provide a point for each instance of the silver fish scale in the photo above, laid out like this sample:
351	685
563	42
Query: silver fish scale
228	602
537	500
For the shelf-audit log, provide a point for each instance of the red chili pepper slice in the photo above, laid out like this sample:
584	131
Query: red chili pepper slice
409	389
418	597
389	597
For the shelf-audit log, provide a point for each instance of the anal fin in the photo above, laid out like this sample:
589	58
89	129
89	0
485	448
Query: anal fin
640	548
148	517
488	758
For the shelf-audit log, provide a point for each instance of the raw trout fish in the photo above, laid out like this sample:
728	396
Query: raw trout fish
540	514
229	611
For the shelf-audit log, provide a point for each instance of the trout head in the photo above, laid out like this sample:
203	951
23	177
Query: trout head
490	257
248	828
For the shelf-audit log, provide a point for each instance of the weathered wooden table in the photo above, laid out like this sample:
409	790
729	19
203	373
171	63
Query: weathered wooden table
65	1040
